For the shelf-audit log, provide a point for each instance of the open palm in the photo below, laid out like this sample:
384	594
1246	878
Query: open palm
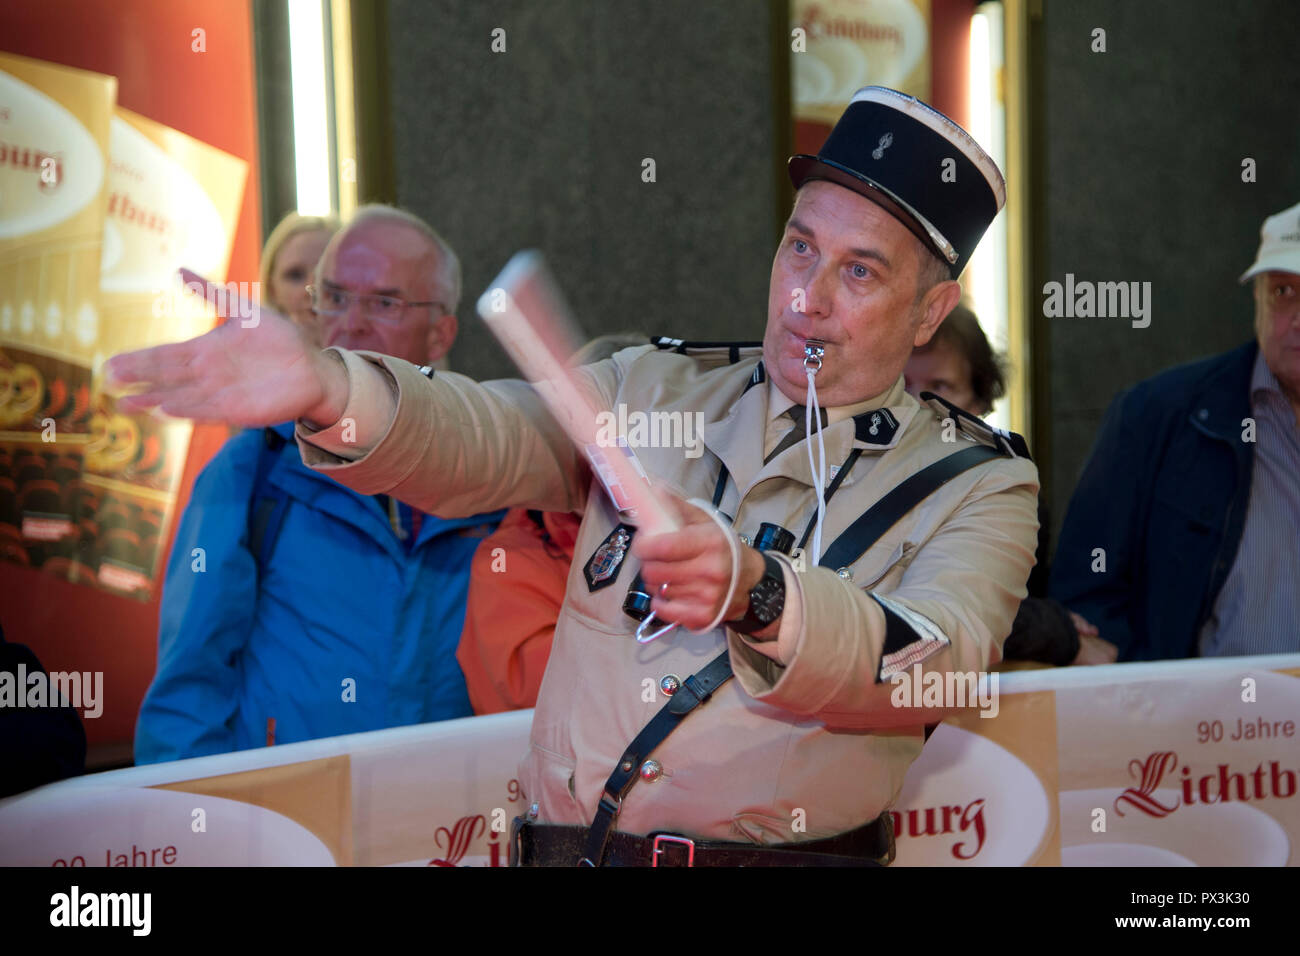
259	371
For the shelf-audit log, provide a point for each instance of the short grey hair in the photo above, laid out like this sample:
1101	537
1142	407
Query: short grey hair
448	277
933	271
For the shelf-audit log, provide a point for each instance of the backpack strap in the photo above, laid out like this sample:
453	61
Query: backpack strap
267	506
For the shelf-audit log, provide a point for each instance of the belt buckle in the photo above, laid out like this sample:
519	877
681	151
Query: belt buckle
672	838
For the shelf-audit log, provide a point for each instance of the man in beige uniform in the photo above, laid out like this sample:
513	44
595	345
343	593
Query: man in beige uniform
805	744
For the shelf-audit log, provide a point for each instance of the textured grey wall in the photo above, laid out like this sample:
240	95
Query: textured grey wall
542	146
1143	149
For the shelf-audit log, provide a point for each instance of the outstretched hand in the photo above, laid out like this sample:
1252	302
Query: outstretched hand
251	372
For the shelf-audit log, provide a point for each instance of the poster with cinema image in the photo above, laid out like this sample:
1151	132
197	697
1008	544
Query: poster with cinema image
846	45
172	201
54	132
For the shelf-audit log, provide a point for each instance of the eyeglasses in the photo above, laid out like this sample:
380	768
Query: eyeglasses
331	302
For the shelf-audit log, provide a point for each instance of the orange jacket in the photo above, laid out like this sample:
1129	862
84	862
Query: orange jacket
516	587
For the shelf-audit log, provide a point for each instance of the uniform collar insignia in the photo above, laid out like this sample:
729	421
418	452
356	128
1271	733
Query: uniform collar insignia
876	427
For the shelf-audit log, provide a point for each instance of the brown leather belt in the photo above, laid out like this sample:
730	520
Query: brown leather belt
541	844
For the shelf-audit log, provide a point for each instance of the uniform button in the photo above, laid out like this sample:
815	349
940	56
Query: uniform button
625	766
651	771
845	573
669	684
1203	414
534	810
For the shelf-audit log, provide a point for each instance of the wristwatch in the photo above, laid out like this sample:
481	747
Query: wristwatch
766	599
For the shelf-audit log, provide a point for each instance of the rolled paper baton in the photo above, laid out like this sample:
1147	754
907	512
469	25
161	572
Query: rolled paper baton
525	312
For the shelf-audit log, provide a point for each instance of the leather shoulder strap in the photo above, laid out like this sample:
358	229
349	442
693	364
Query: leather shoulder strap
889	510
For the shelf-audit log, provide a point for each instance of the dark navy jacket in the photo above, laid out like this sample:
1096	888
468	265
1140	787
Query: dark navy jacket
1164	493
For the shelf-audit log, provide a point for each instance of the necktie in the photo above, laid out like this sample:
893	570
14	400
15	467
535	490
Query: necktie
797	434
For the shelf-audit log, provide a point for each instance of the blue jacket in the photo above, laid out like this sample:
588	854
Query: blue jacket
339	598
1164	493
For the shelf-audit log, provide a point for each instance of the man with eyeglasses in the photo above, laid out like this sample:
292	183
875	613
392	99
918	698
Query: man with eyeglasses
295	607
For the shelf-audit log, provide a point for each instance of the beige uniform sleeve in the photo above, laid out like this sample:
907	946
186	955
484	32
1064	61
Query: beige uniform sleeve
449	445
372	402
953	608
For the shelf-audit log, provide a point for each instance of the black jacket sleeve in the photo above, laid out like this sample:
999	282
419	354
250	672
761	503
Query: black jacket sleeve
1043	631
37	745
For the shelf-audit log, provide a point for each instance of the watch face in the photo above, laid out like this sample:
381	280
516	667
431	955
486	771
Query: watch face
767	599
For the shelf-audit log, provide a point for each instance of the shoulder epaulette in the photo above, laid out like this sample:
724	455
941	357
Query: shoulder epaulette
709	353
976	428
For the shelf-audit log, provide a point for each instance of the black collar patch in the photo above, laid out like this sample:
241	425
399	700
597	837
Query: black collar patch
603	566
876	427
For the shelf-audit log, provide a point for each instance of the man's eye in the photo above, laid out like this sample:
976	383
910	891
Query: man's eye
800	246
1284	291
335	298
386	305
860	271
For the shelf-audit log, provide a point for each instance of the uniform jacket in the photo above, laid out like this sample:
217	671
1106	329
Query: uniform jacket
340	598
1164	495
818	733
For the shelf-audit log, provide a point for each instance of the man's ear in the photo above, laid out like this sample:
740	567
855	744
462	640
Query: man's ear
935	306
441	335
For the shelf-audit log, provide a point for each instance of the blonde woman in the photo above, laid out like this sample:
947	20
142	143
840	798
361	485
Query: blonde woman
289	262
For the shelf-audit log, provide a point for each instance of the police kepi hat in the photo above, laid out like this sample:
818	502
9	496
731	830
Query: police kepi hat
917	164
1279	245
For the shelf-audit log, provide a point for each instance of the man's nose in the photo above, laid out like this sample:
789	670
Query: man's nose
354	317
819	292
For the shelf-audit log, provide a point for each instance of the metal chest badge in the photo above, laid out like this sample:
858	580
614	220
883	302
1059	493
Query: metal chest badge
603	566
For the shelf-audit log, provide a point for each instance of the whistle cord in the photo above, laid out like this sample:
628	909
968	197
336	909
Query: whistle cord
818	467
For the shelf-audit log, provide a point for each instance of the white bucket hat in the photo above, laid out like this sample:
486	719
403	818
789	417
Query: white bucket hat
1279	244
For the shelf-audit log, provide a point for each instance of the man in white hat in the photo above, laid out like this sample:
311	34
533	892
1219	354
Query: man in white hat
796	760
1193	492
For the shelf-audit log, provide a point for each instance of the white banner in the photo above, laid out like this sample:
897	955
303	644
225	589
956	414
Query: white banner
1175	763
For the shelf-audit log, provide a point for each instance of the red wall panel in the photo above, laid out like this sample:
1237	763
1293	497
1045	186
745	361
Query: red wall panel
147	45
950	57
